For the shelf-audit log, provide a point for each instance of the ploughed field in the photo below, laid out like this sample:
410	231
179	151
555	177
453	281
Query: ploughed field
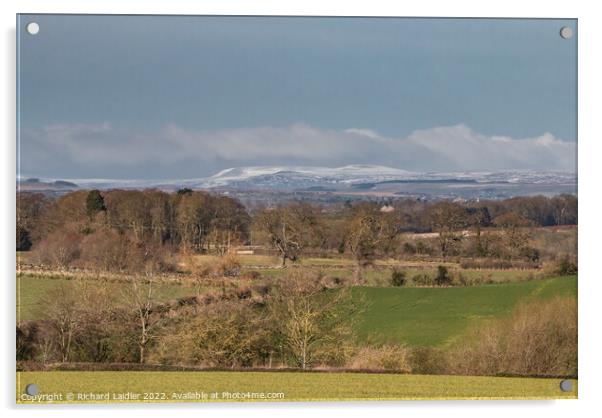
147	386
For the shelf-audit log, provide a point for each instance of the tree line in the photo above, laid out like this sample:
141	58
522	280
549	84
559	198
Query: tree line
114	228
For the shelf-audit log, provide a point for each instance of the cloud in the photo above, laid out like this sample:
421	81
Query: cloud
465	149
84	148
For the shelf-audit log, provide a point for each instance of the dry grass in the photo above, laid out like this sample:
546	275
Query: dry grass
388	357
539	339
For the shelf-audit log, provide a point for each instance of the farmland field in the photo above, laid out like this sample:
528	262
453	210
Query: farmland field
435	316
31	293
414	316
295	386
269	267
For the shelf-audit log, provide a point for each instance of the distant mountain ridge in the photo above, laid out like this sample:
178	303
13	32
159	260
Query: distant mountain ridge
316	178
305	176
353	175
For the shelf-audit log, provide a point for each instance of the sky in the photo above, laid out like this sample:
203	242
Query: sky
168	97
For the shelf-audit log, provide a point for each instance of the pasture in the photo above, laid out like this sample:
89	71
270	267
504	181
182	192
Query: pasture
410	315
435	316
32	291
294	386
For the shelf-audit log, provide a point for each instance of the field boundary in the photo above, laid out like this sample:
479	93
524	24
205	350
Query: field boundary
116	367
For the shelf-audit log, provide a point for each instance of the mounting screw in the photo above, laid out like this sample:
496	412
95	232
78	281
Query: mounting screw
566	32
32	28
31	389
566	385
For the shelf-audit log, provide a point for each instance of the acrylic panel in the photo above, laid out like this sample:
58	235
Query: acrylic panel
278	209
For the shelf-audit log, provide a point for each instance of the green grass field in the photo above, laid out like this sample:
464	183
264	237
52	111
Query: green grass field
31	293
171	386
436	316
415	316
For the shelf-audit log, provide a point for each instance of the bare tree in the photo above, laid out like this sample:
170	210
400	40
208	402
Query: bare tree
565	209
448	218
515	229
366	231
315	324
289	230
140	298
63	314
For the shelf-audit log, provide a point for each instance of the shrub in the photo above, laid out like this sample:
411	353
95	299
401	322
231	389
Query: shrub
398	278
427	360
529	253
228	266
58	249
387	357
539	339
221	334
422	279
443	278
566	266
409	248
105	249
332	282
23	239
423	248
462	280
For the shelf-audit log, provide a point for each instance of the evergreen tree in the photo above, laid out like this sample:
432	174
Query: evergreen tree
23	240
443	278
94	203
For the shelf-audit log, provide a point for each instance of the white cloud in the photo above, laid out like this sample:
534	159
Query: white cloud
469	150
436	149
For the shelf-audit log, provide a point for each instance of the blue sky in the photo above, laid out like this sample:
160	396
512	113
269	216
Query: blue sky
182	97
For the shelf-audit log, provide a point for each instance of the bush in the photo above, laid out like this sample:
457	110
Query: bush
566	266
388	357
443	278
23	239
106	250
427	360
58	249
422	279
228	266
409	248
423	248
539	339
221	334
398	278
332	282
462	280
529	253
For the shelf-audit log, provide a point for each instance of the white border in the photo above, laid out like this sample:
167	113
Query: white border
590	289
